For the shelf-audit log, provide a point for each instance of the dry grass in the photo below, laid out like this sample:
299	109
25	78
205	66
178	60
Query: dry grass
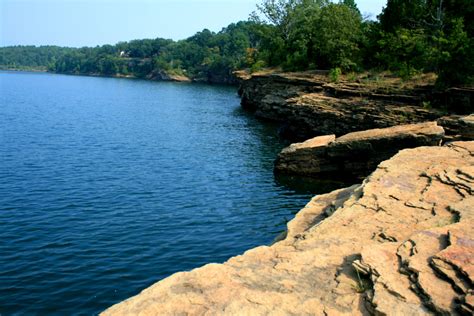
370	81
389	79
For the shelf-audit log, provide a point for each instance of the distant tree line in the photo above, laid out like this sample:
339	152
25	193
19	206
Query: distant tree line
205	56
408	37
31	57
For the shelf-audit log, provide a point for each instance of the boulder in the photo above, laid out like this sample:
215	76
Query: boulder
356	153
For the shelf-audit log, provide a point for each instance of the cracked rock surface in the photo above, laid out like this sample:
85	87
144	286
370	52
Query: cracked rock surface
401	243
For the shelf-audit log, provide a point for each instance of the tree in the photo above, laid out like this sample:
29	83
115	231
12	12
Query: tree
432	35
456	56
108	65
404	51
408	14
338	36
352	5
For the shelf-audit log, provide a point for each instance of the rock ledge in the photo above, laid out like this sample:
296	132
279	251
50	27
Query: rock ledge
308	106
401	243
356	153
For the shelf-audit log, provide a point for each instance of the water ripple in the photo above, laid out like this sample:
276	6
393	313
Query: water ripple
108	186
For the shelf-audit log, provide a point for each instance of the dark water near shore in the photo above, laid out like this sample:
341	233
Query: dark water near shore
109	185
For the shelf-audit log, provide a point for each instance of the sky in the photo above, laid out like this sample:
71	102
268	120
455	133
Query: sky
78	23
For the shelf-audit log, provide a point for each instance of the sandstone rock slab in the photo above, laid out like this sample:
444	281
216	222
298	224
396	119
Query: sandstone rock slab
356	153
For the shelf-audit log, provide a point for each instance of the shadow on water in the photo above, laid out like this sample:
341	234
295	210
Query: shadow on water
310	185
269	131
265	129
269	134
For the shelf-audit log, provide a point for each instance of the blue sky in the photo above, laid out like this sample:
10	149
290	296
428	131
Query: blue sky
95	22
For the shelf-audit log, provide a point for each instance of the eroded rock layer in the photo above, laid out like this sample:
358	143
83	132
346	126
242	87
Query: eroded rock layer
357	153
458	127
309	106
401	243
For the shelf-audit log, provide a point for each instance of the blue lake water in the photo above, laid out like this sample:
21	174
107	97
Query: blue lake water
109	185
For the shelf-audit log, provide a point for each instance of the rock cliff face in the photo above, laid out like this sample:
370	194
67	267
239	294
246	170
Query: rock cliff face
458	127
458	99
308	106
357	153
401	243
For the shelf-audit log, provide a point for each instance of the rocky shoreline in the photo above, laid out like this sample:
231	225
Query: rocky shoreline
155	76
307	105
400	243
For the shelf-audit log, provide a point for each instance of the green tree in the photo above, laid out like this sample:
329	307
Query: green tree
108	65
352	5
338	36
456	56
404	51
408	14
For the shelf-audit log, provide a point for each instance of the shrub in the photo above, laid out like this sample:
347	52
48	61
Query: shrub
259	65
335	74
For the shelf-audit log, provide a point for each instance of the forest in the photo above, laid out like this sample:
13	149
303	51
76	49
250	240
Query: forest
408	37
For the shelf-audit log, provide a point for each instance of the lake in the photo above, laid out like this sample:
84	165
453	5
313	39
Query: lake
109	185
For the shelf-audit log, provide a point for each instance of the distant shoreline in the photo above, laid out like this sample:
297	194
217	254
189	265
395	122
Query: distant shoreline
171	79
23	70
